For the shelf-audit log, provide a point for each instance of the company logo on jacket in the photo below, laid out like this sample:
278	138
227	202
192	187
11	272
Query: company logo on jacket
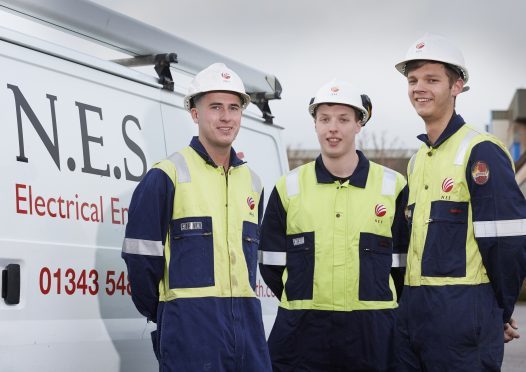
380	210
447	184
250	202
480	173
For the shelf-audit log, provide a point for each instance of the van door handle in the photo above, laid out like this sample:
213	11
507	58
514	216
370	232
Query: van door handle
11	284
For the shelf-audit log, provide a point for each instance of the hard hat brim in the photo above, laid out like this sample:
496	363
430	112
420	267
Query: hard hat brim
463	71
313	106
245	98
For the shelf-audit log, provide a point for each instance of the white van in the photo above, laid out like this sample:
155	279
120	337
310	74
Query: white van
78	133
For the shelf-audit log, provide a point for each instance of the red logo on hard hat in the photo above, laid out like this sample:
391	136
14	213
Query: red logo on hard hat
250	202
380	210
335	89
225	75
447	184
480	173
420	45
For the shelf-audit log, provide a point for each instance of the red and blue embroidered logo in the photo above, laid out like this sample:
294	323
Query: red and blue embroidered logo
480	173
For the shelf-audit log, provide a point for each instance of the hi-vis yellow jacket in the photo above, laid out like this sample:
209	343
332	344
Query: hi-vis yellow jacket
329	245
467	216
212	248
204	243
443	249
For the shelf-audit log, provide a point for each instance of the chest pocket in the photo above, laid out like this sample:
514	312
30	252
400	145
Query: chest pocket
191	253
376	256
300	266
445	248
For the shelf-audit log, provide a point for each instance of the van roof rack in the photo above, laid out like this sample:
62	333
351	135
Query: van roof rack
144	43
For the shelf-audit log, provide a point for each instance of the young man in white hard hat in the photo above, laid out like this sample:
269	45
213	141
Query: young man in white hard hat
467	217
190	244
333	246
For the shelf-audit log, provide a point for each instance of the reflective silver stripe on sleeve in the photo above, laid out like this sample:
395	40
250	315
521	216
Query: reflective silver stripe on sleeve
412	163
399	260
293	183
143	247
461	152
183	174
388	182
491	229
256	182
272	258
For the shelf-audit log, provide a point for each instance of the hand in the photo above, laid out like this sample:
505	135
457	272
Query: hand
511	331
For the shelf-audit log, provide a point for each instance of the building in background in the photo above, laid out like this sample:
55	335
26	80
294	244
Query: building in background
510	127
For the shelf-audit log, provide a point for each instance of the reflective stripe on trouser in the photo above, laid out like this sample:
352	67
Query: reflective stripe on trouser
212	334
449	328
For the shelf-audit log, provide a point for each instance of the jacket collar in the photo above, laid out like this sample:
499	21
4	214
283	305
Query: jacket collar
455	123
200	149
357	179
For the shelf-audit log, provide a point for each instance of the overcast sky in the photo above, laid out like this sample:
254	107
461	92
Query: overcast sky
306	44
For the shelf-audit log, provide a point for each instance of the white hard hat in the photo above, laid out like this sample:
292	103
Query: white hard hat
435	48
216	77
342	92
